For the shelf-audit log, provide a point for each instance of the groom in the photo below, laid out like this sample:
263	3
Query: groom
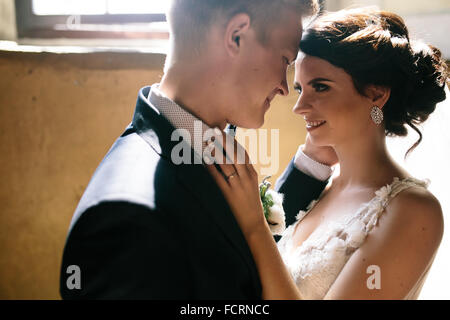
149	227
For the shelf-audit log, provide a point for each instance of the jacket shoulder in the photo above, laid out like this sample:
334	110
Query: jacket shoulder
127	173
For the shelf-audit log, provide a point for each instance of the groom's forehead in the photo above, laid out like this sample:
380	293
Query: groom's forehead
287	35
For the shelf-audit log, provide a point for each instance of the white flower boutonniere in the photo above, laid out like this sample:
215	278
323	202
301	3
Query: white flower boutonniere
273	207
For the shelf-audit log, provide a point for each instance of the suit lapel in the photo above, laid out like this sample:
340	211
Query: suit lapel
157	131
198	181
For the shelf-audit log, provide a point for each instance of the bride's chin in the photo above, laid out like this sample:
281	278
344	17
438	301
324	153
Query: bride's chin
320	142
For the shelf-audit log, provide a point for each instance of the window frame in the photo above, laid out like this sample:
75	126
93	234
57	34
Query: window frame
30	25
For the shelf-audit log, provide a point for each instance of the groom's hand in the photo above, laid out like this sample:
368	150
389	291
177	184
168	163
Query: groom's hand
324	155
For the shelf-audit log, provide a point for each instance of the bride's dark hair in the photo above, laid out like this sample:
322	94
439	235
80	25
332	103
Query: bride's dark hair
374	47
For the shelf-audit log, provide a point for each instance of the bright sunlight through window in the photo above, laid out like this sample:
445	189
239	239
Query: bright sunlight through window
98	7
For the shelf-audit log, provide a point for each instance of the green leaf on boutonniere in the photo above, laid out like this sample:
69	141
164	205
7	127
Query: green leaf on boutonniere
266	199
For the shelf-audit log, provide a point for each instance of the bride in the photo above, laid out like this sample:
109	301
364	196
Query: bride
359	79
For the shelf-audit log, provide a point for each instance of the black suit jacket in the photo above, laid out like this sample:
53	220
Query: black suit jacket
146	228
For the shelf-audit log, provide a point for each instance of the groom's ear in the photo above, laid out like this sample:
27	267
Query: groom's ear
236	28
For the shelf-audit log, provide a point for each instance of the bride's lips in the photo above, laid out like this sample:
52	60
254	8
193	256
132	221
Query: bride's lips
313	125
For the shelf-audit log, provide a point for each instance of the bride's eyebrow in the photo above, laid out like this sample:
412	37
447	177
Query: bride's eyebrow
319	80
297	85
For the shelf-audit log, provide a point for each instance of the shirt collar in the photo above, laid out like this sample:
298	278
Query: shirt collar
180	118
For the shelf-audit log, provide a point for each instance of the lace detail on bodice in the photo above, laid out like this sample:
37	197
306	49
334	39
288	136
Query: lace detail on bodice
316	263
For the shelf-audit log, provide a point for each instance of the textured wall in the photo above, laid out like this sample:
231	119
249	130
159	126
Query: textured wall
7	20
59	115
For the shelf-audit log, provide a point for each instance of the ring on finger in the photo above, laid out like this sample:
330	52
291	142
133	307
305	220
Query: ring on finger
231	176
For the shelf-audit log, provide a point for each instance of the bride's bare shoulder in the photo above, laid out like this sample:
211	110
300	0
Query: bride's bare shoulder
416	208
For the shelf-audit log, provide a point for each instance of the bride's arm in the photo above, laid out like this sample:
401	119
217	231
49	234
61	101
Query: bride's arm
241	190
305	177
276	281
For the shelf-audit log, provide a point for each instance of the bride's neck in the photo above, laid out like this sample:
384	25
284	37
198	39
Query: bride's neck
364	162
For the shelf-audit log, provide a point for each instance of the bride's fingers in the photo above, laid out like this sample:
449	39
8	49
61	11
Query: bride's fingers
228	170
218	177
242	163
236	154
219	150
252	171
231	158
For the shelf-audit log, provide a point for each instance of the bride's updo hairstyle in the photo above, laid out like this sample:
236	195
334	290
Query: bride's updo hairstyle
375	49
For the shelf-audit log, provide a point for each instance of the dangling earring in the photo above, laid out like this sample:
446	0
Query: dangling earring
377	115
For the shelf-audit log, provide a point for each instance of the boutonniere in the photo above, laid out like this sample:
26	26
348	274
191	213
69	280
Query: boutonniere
272	202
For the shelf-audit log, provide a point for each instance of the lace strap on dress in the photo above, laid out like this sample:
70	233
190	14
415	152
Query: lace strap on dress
384	195
302	213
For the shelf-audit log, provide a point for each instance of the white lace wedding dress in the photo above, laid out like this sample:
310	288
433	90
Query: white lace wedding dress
317	262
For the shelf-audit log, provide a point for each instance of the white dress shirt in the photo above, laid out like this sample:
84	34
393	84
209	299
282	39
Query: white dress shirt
311	167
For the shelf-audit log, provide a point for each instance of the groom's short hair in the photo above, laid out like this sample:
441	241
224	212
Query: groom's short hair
190	20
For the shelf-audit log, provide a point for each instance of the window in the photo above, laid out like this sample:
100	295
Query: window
130	19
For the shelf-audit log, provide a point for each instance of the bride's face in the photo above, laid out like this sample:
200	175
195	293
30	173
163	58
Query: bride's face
334	111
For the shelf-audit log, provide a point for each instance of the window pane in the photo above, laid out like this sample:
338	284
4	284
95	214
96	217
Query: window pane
69	7
137	6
